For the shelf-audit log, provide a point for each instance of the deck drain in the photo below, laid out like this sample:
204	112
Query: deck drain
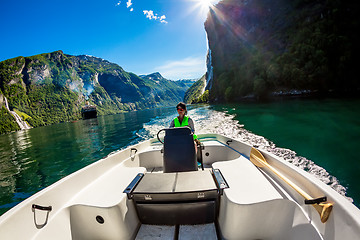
100	219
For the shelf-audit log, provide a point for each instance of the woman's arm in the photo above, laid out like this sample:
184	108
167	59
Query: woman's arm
172	124
191	125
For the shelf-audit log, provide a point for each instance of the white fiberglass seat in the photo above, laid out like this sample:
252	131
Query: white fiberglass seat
251	208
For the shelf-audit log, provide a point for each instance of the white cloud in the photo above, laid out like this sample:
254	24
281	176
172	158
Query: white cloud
150	15
187	68
128	3
162	19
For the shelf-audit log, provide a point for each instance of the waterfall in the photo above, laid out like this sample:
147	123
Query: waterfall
209	73
22	124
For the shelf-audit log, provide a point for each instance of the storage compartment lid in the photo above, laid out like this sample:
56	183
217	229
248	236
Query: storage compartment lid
181	186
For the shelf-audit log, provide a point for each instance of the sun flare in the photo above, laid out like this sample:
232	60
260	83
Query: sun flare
203	6
205	3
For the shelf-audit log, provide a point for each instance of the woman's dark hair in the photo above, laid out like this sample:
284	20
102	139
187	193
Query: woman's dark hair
182	105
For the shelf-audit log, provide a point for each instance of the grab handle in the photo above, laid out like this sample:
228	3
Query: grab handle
41	219
42	208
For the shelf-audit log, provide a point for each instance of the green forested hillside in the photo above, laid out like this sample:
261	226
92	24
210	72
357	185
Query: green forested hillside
264	46
7	121
196	93
52	87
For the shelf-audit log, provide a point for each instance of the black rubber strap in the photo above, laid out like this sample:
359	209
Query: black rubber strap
316	200
220	181
42	208
133	185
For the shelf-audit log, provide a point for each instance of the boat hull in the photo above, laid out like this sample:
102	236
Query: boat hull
91	203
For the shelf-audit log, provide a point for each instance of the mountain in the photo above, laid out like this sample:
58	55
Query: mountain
53	87
170	90
262	47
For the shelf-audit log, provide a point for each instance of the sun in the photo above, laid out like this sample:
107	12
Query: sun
203	6
205	3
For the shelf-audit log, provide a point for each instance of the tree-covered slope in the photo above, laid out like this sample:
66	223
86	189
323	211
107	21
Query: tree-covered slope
196	93
264	46
52	87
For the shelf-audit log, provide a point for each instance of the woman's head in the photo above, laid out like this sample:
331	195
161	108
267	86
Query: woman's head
181	108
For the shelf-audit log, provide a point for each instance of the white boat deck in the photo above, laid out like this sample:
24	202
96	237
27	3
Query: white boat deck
182	232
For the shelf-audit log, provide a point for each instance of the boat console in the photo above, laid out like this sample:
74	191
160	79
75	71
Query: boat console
179	150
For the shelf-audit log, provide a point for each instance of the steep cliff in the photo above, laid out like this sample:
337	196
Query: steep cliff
52	87
261	47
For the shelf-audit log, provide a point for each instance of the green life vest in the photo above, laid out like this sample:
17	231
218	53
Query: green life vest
184	123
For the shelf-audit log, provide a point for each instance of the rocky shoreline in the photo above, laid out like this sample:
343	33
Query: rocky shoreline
295	94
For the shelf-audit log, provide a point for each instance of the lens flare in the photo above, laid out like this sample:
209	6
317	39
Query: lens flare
205	3
203	6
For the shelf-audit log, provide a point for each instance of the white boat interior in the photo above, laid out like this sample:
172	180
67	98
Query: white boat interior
141	192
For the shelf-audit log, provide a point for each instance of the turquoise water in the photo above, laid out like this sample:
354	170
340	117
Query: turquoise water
33	159
326	131
323	131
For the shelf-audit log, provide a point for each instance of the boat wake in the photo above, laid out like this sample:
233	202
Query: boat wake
208	120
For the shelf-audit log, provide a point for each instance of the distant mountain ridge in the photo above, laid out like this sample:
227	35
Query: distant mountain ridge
52	87
157	77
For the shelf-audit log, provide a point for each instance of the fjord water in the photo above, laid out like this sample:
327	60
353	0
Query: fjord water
322	132
323	136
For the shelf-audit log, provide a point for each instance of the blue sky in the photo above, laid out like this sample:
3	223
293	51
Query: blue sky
142	36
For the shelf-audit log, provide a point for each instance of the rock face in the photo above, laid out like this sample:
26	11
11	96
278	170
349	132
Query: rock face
52	87
262	46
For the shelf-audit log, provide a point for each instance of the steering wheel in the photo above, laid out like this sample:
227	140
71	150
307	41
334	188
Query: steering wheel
157	135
